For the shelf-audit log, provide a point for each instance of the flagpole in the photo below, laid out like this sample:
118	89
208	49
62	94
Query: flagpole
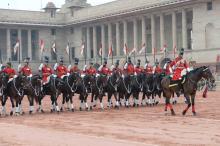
69	57
19	53
85	54
145	53
154	54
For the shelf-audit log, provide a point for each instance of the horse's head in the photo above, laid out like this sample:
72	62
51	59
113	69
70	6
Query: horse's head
22	81
4	80
207	74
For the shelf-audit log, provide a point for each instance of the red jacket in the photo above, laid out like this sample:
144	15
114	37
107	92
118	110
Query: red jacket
104	70
148	69
26	70
129	69
138	70
9	71
91	71
157	69
75	69
46	72
61	70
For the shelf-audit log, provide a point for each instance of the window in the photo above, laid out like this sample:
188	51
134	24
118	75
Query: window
53	32
72	30
72	12
52	14
209	6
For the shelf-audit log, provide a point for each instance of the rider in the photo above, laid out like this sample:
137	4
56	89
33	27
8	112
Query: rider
148	68
103	69
116	67
61	69
129	68
180	66
91	71
75	68
168	70
45	70
8	70
26	70
157	69
138	69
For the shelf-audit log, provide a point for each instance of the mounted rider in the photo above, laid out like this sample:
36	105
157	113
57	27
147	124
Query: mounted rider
26	70
168	70
75	68
128	68
91	71
115	67
45	70
180	66
138	69
157	69
61	70
148	69
8	70
103	69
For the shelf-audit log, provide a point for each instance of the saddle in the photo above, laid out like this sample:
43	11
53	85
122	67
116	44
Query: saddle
174	83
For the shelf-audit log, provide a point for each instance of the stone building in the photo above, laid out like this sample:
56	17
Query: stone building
190	24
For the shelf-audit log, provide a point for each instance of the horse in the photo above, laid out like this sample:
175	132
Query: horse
15	90
3	86
189	85
98	86
137	87
124	89
148	89
112	87
50	89
33	91
157	87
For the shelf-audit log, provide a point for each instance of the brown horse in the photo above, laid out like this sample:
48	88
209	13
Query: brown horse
189	87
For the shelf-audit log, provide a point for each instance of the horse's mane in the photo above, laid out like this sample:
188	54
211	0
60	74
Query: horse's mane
198	68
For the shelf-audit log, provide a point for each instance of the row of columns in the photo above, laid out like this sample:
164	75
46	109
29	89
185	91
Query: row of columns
135	30
10	47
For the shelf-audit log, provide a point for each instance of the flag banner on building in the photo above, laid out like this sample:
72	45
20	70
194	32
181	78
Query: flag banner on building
42	46
164	49
100	50
110	51
54	47
16	47
174	51
68	49
125	49
142	49
82	49
133	51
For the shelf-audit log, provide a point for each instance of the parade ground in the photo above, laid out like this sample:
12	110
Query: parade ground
124	127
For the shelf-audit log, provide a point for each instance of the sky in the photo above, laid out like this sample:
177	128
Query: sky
36	4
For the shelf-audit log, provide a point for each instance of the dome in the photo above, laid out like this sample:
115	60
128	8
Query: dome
50	5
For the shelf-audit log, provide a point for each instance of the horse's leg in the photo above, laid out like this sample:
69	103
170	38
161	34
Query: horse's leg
127	95
31	104
193	104
52	109
17	111
101	103
168	95
20	106
13	107
116	100
55	102
4	99
40	109
188	106
143	101
81	102
71	102
109	99
63	101
85	101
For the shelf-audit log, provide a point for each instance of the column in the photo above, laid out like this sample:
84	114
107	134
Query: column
29	45
118	39
143	25
125	32
174	30
153	36
184	29
162	41
94	42
20	41
103	40
8	44
88	49
135	34
109	35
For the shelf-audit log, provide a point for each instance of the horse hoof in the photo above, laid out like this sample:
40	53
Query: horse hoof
90	107
61	109
172	112
165	113
194	113
80	109
157	102
11	113
51	111
42	111
184	113
30	112
87	109
94	106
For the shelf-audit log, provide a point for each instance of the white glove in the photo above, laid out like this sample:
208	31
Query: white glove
15	76
123	76
135	74
41	66
68	74
55	66
84	68
97	75
54	75
69	67
82	76
30	75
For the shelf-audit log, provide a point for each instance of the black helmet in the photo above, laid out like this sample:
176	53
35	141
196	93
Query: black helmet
117	62
61	59
91	63
157	62
181	51
147	61
27	59
105	61
76	61
129	59
138	62
9	64
46	59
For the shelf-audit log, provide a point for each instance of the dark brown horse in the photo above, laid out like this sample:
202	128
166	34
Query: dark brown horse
189	87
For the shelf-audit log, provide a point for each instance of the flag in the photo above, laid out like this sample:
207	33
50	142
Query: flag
41	46
125	49
54	47
132	51
67	49
16	47
164	49
100	50
174	51
82	49
110	51
142	49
